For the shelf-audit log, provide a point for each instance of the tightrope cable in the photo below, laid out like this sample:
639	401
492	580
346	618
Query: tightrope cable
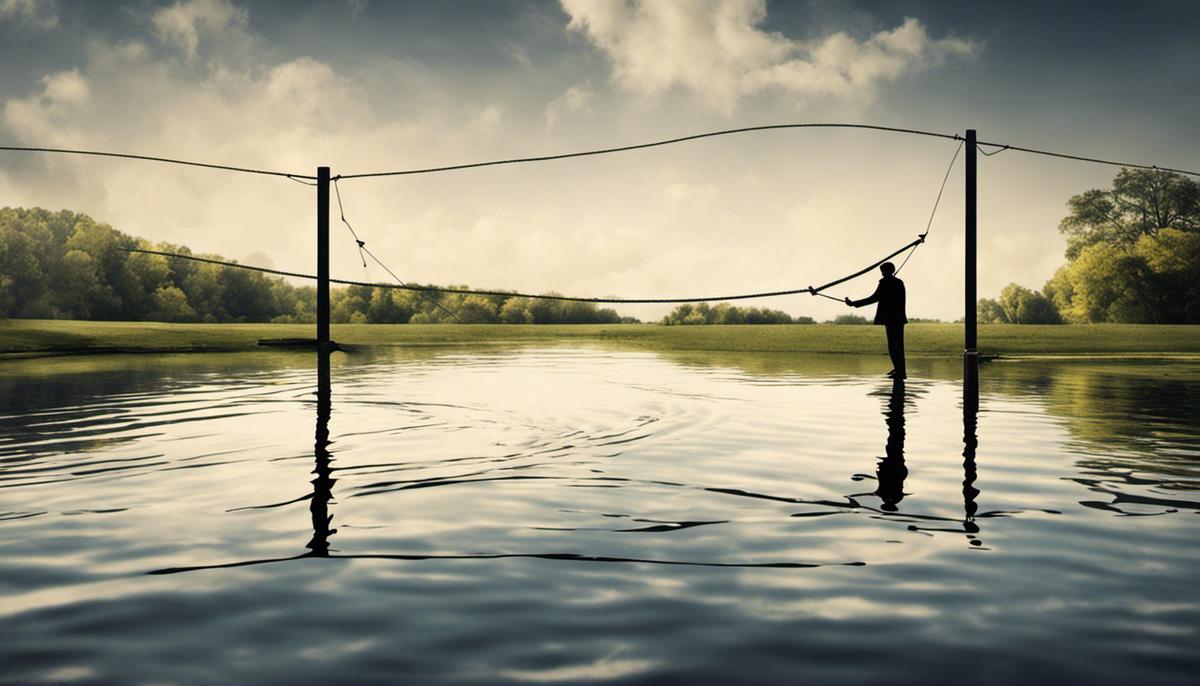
1081	158
654	144
769	127
533	296
985	153
151	158
624	148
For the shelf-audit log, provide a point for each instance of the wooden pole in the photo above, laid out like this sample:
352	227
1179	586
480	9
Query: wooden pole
323	259
970	344
970	347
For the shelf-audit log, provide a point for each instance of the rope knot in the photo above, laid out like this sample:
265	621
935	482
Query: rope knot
360	243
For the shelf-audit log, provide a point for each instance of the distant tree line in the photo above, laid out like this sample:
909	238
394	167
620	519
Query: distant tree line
65	265
1133	256
724	313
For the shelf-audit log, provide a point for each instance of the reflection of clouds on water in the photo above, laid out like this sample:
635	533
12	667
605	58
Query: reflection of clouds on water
670	444
613	506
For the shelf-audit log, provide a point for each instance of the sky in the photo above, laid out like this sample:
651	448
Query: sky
365	86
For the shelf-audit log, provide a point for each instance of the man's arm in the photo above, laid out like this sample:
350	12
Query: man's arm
874	297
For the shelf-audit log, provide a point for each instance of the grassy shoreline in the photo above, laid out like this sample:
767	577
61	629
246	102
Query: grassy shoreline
37	338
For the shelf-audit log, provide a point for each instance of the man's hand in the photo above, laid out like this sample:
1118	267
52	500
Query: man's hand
849	303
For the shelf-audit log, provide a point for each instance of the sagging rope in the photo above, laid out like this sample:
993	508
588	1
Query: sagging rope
304	178
936	202
811	290
911	248
654	144
362	248
168	160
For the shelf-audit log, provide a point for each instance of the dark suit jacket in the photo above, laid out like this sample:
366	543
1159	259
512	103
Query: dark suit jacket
890	296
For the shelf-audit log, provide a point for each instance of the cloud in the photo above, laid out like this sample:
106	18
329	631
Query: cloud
486	120
41	14
184	23
575	99
357	7
746	214
41	114
714	49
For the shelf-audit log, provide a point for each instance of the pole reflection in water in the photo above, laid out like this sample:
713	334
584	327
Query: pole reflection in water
322	482
891	470
970	443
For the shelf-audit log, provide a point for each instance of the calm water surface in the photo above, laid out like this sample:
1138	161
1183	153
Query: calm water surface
577	515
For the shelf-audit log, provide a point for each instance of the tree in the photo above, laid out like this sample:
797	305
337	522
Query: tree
1173	260
516	311
988	311
1141	202
1109	284
67	265
724	313
171	305
476	309
1060	292
1154	281
385	308
1023	306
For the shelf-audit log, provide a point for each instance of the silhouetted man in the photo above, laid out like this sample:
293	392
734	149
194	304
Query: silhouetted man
890	313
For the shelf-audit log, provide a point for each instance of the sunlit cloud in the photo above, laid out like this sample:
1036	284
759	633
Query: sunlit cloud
575	99
184	23
211	80
715	50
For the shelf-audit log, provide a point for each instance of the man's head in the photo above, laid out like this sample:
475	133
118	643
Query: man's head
887	268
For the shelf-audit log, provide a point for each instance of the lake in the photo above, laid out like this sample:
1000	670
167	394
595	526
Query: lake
589	515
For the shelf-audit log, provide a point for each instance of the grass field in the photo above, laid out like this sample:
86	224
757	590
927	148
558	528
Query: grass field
24	338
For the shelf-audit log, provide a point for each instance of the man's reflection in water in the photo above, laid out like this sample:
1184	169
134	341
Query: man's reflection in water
891	471
322	482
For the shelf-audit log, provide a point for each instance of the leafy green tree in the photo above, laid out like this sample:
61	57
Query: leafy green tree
171	305
1023	306
477	309
516	311
850	319
1154	281
724	313
1110	284
67	265
988	311
1141	202
79	286
21	277
385	308
1060	292
1173	259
